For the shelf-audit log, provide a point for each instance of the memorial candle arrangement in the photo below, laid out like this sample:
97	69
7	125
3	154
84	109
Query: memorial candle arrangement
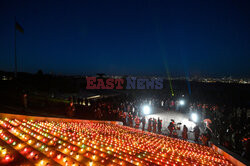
49	143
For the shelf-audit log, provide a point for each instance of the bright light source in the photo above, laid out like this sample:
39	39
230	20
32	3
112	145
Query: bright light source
194	117
146	109
182	102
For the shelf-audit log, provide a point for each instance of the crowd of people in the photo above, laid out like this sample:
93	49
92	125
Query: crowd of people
229	127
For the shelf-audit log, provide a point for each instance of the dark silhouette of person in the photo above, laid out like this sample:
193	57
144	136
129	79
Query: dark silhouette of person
196	133
154	125
137	122
130	120
149	124
184	132
159	125
171	128
143	120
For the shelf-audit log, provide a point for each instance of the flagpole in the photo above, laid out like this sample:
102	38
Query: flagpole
15	51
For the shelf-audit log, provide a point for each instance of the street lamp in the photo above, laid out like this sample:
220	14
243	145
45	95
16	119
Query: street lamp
146	109
182	102
194	117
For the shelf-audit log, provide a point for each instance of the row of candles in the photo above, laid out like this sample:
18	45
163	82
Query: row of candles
92	143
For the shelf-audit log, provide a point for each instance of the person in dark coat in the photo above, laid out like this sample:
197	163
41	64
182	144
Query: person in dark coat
149	124
137	122
71	110
154	125
143	121
207	136
124	118
159	125
171	128
196	133
130	120
184	132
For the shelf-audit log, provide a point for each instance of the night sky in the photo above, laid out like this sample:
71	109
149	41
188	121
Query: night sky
145	37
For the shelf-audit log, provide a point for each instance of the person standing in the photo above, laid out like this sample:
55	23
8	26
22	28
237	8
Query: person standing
196	133
171	128
124	119
137	122
130	119
25	101
159	125
184	132
143	120
149	124
154	125
71	110
208	135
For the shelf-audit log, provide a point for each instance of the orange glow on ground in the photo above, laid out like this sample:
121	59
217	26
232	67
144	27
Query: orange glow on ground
93	143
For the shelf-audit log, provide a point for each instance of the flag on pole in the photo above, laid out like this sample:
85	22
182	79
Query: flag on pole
19	27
